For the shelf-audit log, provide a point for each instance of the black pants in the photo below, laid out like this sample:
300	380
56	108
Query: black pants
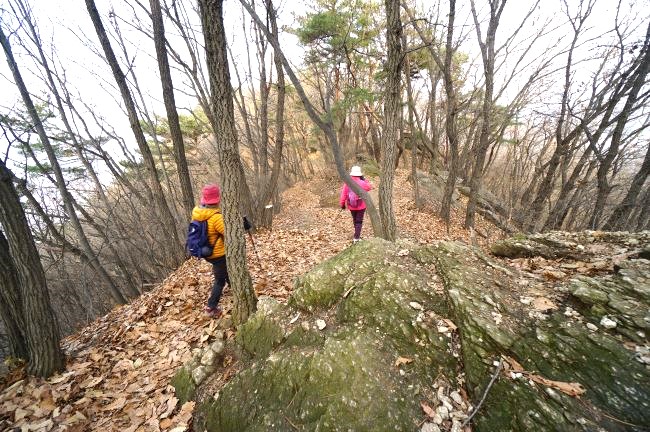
220	272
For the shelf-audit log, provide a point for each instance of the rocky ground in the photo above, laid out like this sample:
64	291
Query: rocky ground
541	332
440	337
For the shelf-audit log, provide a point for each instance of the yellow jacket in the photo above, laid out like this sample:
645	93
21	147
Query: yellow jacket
215	228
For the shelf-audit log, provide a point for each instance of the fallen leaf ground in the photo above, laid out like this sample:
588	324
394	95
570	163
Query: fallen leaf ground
119	367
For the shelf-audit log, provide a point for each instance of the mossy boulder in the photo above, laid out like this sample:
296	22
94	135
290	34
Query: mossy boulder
375	336
494	323
622	297
578	246
327	361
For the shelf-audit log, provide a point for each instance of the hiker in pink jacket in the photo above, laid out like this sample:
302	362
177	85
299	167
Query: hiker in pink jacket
354	203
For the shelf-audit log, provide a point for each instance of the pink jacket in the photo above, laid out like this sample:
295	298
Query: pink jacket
344	194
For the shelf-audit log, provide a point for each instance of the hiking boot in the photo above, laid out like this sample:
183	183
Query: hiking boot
356	240
213	312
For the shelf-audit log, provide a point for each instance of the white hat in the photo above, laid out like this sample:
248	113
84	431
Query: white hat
356	171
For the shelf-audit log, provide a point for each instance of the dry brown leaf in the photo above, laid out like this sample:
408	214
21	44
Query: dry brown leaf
91	381
450	324
118	404
185	414
402	360
20	414
427	410
570	388
171	404
543	304
77	417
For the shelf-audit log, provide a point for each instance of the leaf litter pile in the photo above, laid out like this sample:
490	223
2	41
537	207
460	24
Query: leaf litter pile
119	367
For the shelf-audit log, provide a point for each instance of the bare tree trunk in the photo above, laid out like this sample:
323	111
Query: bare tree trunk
558	214
60	180
643	221
49	77
450	118
603	185
452	110
170	107
621	214
167	219
40	326
488	55
324	125
224	127
11	302
271	186
392	104
413	139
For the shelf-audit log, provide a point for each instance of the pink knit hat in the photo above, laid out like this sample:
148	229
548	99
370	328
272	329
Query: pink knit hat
210	195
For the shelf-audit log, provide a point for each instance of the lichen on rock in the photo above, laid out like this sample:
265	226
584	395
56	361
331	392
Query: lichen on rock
371	340
344	376
557	348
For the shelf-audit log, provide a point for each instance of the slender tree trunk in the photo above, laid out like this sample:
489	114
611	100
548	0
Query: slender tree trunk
556	216
167	219
488	55
40	325
223	113
325	126
621	214
49	76
450	118
392	107
643	221
413	139
60	180
270	187
603	184
11	303
170	107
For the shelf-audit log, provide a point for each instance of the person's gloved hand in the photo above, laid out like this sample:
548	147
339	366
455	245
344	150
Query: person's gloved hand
247	224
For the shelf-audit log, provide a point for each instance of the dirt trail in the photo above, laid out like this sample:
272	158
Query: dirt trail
119	366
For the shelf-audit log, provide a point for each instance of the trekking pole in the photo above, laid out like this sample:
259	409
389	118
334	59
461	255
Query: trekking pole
247	228
337	215
259	263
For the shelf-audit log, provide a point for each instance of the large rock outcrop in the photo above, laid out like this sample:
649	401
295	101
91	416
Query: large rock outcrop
401	336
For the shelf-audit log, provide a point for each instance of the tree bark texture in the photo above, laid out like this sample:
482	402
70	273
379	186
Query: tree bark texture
167	220
11	303
40	326
229	162
392	109
170	107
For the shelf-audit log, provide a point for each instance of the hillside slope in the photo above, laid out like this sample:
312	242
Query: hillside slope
119	367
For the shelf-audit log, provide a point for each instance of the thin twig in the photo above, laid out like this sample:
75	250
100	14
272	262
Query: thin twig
494	377
289	421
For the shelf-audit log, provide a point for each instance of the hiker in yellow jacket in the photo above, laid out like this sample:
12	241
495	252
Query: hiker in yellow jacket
209	210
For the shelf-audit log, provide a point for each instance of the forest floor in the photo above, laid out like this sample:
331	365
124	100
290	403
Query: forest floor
119	367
